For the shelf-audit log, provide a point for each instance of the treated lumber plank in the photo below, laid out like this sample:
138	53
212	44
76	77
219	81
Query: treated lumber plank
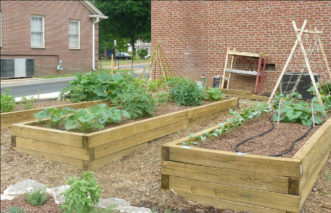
237	194
225	204
59	158
28	115
236	91
52	148
143	137
48	135
213	108
124	131
249	54
95	164
228	160
226	176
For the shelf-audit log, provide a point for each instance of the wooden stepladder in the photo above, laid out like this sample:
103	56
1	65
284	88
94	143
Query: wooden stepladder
299	33
259	74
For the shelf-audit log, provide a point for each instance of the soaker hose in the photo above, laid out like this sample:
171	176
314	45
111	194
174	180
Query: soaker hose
269	130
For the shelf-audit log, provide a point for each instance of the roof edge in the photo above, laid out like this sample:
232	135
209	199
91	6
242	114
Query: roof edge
93	9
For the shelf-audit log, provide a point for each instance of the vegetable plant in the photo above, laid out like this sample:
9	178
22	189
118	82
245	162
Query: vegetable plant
36	197
185	92
214	94
7	102
14	209
54	115
83	194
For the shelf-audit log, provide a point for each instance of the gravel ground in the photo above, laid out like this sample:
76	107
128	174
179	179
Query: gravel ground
135	178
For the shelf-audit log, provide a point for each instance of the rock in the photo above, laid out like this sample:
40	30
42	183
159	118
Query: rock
23	186
112	202
7	197
132	209
56	192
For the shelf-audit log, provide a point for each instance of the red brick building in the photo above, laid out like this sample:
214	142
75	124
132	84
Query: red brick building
53	33
195	35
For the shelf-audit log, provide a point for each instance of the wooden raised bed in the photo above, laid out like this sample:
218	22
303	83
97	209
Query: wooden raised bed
244	94
94	150
247	182
9	118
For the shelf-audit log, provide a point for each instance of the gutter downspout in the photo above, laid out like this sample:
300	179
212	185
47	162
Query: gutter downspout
93	42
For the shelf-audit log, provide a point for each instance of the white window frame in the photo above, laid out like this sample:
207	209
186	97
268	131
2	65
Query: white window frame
43	31
74	48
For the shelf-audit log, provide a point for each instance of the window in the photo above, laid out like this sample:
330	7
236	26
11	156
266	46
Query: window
37	32
74	35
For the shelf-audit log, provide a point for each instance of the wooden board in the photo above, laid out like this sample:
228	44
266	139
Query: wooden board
236	194
229	160
143	137
52	148
226	176
9	118
59	158
225	204
47	134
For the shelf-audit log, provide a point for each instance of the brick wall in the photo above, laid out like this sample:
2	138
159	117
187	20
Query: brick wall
16	16
195	35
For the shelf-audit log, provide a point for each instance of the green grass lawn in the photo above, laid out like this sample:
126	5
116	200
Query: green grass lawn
123	62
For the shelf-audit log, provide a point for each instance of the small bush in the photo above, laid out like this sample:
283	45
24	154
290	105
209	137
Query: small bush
7	102
214	94
82	195
27	103
36	198
137	103
185	92
142	53
14	209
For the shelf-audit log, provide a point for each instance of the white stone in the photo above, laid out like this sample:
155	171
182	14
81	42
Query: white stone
7	197
112	202
56	192
132	209
23	186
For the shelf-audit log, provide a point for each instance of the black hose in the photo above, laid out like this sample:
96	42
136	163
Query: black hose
269	130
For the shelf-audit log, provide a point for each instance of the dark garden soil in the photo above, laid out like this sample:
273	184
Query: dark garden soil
136	178
276	141
42	103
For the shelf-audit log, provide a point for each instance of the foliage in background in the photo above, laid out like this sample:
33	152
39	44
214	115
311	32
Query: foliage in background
7	102
27	103
214	94
237	119
325	92
142	53
291	108
83	194
14	209
126	19
185	92
36	198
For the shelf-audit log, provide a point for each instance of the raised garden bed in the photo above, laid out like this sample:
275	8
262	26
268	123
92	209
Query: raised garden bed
94	150
245	182
9	118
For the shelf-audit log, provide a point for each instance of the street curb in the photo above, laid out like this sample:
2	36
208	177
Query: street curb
35	82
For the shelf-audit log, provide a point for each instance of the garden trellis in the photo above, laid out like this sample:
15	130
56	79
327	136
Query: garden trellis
318	46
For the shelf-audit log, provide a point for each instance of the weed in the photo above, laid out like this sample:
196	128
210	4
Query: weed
27	103
36	198
327	176
14	209
7	102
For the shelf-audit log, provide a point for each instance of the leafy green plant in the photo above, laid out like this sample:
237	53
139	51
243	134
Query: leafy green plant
185	92
289	108
14	209
7	102
83	194
325	92
36	197
214	94
95	117
54	115
161	98
142	53
237	119
137	103
27	103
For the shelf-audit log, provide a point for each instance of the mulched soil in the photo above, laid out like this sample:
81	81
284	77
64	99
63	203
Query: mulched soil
20	202
276	141
136	178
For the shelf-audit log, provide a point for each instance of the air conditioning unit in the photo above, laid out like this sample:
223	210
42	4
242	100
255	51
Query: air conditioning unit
17	68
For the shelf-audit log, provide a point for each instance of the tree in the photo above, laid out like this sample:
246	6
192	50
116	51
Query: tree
127	19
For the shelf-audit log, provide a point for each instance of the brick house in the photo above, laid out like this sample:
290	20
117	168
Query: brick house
53	33
195	35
